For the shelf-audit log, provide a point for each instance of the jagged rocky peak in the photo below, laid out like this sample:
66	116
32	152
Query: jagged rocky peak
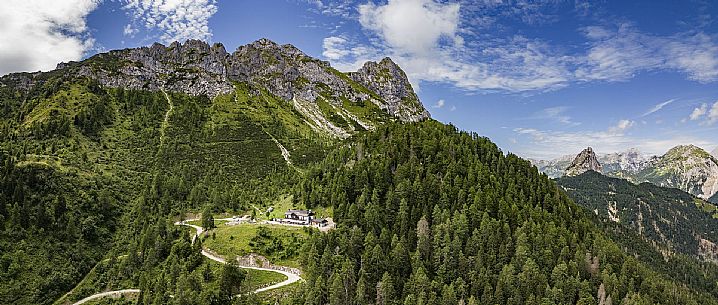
392	84
196	68
585	161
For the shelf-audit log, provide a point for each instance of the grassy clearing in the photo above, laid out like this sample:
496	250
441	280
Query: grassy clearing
280	244
259	279
97	278
707	207
282	295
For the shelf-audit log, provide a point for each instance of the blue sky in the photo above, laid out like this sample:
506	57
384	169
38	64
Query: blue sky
540	78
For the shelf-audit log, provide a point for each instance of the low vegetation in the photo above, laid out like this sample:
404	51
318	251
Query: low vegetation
280	244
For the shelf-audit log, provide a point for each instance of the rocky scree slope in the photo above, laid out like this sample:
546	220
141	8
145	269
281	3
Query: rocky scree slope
196	68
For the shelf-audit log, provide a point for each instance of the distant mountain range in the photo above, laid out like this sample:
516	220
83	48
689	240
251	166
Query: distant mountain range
686	167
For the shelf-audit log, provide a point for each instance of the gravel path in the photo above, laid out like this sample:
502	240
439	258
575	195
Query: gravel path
291	277
114	294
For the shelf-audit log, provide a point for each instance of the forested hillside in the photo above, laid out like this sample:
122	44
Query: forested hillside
99	158
430	215
673	220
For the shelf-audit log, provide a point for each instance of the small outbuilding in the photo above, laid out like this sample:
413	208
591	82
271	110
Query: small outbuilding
320	222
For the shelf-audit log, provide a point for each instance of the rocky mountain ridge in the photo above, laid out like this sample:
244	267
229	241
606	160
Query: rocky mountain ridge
686	167
584	161
196	68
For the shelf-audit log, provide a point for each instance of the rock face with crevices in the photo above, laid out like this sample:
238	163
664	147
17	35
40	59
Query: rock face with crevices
585	161
391	83
686	167
196	68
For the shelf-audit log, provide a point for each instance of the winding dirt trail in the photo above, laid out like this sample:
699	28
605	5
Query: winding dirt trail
291	277
114	294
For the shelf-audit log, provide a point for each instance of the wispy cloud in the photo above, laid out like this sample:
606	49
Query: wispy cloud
658	107
713	114
619	53
557	114
439	104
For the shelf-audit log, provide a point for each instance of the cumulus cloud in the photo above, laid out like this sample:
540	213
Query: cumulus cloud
424	38
708	115
174	20
412	26
37	35
439	104
621	126
698	112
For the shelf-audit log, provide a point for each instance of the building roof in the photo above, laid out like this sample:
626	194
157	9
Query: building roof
300	212
319	220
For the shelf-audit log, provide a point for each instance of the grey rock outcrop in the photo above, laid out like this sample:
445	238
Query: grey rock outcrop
388	80
585	161
197	68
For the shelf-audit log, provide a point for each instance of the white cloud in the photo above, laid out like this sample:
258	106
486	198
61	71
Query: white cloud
412	26
658	107
334	48
557	114
698	112
436	41
709	114
129	30
176	20
621	126
439	104
619	54
713	114
36	35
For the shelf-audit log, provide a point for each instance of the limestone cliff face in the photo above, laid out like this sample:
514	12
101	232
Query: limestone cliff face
388	80
686	167
197	68
585	161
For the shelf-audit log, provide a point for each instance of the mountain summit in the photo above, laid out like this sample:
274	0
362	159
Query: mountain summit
687	167
196	68
585	161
